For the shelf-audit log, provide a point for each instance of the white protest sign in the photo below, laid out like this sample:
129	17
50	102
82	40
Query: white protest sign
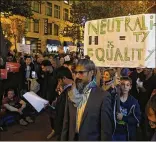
128	41
36	101
23	48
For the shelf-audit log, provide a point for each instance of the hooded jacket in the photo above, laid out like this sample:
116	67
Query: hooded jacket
132	119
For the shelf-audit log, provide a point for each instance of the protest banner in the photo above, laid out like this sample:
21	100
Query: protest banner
36	101
12	67
128	41
23	48
72	48
3	73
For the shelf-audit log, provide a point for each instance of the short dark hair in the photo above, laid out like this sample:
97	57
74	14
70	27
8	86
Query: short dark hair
46	63
151	104
7	90
27	56
88	64
126	78
111	72
63	72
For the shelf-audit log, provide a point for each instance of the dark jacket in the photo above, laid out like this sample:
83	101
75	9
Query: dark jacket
60	109
23	80
1	91
96	123
149	86
49	86
134	76
133	117
154	137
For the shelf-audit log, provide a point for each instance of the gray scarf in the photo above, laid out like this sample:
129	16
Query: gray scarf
77	98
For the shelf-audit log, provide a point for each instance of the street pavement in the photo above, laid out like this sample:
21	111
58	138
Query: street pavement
37	131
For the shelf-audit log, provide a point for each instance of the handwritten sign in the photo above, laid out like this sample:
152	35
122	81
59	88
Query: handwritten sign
127	41
23	48
12	67
3	73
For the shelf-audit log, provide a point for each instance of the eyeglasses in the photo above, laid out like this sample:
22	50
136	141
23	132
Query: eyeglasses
80	72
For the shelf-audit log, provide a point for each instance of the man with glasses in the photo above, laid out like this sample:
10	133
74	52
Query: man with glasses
88	112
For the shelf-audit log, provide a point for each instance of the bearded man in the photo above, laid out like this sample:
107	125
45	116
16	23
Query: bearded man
88	113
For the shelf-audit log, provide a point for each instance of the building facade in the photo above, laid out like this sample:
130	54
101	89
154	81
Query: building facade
44	30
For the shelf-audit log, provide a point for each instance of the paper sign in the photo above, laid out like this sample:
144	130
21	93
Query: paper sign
12	67
23	48
36	101
67	58
72	48
3	73
127	41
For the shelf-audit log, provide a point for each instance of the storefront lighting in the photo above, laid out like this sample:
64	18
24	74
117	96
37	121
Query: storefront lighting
23	40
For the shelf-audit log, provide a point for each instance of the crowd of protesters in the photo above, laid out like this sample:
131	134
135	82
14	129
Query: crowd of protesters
85	102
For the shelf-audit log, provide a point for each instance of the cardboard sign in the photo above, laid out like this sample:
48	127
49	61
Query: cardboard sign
3	73
127	41
12	67
23	48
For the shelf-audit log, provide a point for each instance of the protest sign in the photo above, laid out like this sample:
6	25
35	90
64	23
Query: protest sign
3	73
72	48
12	67
23	48
36	101
127	41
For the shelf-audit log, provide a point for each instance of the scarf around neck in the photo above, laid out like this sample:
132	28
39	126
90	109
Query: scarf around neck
79	99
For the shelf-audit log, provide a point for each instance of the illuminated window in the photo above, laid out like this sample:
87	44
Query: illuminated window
49	28
36	26
66	14
36	6
49	9
56	30
56	11
28	25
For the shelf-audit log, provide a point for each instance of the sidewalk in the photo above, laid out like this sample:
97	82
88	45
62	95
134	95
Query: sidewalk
37	131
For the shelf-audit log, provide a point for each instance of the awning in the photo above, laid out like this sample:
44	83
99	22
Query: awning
68	43
53	42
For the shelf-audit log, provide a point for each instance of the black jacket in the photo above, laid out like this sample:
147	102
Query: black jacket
97	119
49	86
60	109
23	75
